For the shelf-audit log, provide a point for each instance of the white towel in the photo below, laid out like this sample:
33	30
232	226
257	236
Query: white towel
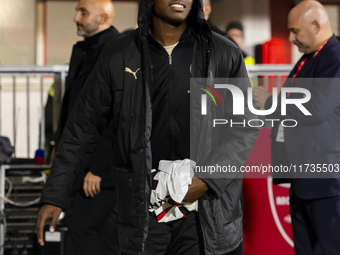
173	180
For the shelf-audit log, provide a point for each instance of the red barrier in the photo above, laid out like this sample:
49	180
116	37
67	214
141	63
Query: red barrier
267	222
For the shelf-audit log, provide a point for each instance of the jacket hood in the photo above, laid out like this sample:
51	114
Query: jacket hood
195	18
195	21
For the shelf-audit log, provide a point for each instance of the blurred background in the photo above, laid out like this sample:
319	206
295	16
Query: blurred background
42	32
36	39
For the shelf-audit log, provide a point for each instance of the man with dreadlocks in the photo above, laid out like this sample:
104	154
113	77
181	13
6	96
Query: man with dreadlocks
142	82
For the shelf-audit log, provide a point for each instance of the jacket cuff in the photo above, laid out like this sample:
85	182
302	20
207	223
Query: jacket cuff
212	188
54	202
98	171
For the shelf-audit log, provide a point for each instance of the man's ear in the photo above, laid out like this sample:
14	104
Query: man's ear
102	18
316	26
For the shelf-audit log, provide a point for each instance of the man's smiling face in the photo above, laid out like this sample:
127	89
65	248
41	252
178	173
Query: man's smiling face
173	12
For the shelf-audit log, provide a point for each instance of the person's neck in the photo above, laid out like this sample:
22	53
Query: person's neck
165	33
322	41
97	33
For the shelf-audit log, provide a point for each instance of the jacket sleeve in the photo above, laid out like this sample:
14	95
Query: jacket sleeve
83	130
101	159
231	145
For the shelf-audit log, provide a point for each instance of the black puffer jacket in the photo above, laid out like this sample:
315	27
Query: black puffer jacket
83	59
114	91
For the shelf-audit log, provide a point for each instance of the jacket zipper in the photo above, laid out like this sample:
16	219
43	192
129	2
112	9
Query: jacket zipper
171	102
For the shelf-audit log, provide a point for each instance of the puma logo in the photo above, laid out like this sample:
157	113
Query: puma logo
128	70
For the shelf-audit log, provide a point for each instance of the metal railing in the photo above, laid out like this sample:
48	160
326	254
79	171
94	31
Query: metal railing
269	75
33	82
267	70
27	87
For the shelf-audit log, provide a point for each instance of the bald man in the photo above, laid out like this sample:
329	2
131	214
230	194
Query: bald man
315	141
90	218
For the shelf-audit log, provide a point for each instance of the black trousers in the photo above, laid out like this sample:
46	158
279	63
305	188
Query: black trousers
181	237
316	225
92	225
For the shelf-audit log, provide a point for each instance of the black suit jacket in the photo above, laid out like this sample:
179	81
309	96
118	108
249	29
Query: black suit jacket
316	138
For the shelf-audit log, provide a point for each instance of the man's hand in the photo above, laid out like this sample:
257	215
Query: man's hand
261	95
195	191
46	211
91	184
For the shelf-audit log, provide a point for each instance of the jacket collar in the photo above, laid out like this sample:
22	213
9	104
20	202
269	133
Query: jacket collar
100	38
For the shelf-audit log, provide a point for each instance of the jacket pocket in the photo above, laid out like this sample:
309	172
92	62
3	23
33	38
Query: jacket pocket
127	244
233	229
233	219
126	196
